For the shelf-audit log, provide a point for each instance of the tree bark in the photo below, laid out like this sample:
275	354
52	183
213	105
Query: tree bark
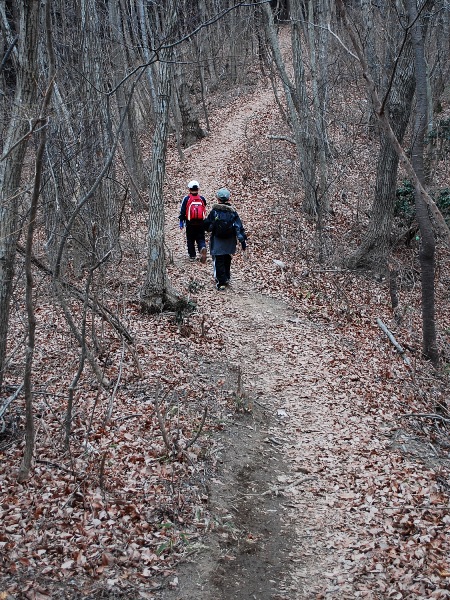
376	243
129	140
29	354
155	293
379	108
428	242
297	103
19	130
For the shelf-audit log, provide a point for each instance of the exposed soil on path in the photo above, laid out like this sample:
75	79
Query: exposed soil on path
247	551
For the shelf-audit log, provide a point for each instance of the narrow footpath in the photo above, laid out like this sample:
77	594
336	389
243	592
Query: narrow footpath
274	528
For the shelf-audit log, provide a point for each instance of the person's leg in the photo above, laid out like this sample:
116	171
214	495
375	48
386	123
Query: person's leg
227	266
200	236
201	243
219	271
190	239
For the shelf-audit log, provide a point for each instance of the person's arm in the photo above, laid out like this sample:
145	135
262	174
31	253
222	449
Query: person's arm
208	222
182	216
240	232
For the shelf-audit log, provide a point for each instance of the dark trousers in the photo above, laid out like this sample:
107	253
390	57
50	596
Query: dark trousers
222	265
195	234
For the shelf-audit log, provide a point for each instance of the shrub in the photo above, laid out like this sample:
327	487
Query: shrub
404	202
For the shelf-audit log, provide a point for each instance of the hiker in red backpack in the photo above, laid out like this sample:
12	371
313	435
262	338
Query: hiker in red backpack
226	230
192	213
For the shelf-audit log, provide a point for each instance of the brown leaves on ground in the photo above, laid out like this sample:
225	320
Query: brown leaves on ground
368	488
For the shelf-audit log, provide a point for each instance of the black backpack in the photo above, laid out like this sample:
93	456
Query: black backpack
224	224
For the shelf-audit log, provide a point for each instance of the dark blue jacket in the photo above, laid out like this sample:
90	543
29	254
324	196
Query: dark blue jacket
218	246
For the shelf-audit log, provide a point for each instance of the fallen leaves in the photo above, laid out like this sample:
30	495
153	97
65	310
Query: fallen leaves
307	339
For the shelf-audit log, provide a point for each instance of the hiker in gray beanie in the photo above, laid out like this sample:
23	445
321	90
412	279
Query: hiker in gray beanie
226	230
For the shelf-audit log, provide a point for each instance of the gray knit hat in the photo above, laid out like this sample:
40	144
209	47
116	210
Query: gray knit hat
223	194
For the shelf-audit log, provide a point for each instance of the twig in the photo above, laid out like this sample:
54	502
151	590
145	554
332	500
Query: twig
135	356
394	342
27	135
284	138
127	417
263	406
433	416
56	466
9	400
113	395
101	476
8	52
195	438
161	421
96	306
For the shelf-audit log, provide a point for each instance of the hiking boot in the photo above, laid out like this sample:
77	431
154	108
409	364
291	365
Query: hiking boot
192	258
203	256
220	287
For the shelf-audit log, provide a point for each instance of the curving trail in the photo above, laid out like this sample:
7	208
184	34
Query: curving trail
275	525
209	159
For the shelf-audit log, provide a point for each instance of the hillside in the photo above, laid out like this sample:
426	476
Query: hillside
312	476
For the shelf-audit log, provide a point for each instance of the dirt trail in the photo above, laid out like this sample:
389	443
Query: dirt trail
208	160
272	527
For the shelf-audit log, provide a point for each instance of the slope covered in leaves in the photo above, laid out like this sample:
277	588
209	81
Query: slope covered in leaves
113	514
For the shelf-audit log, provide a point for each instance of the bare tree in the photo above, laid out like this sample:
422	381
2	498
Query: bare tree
22	123
156	294
377	240
28	380
132	156
429	347
428	242
307	106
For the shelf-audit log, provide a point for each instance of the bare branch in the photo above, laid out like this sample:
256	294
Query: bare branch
284	138
439	220
5	405
394	342
199	430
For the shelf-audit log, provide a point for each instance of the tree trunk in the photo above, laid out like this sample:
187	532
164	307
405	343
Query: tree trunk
376	243
427	258
428	243
155	294
14	155
372	60
304	133
129	140
298	107
191	131
317	37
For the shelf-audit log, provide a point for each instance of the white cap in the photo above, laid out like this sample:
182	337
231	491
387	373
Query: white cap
193	184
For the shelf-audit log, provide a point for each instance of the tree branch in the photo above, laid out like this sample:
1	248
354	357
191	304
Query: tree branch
439	220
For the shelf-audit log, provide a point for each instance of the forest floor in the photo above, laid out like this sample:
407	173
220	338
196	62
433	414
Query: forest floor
314	475
268	499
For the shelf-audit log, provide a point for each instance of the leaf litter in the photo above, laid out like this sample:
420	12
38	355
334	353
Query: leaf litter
312	478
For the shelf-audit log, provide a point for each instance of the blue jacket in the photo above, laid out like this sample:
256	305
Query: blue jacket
219	246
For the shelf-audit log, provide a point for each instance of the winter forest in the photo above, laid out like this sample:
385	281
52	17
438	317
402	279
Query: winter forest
287	437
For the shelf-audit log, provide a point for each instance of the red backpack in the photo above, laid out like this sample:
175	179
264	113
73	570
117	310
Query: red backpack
195	208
